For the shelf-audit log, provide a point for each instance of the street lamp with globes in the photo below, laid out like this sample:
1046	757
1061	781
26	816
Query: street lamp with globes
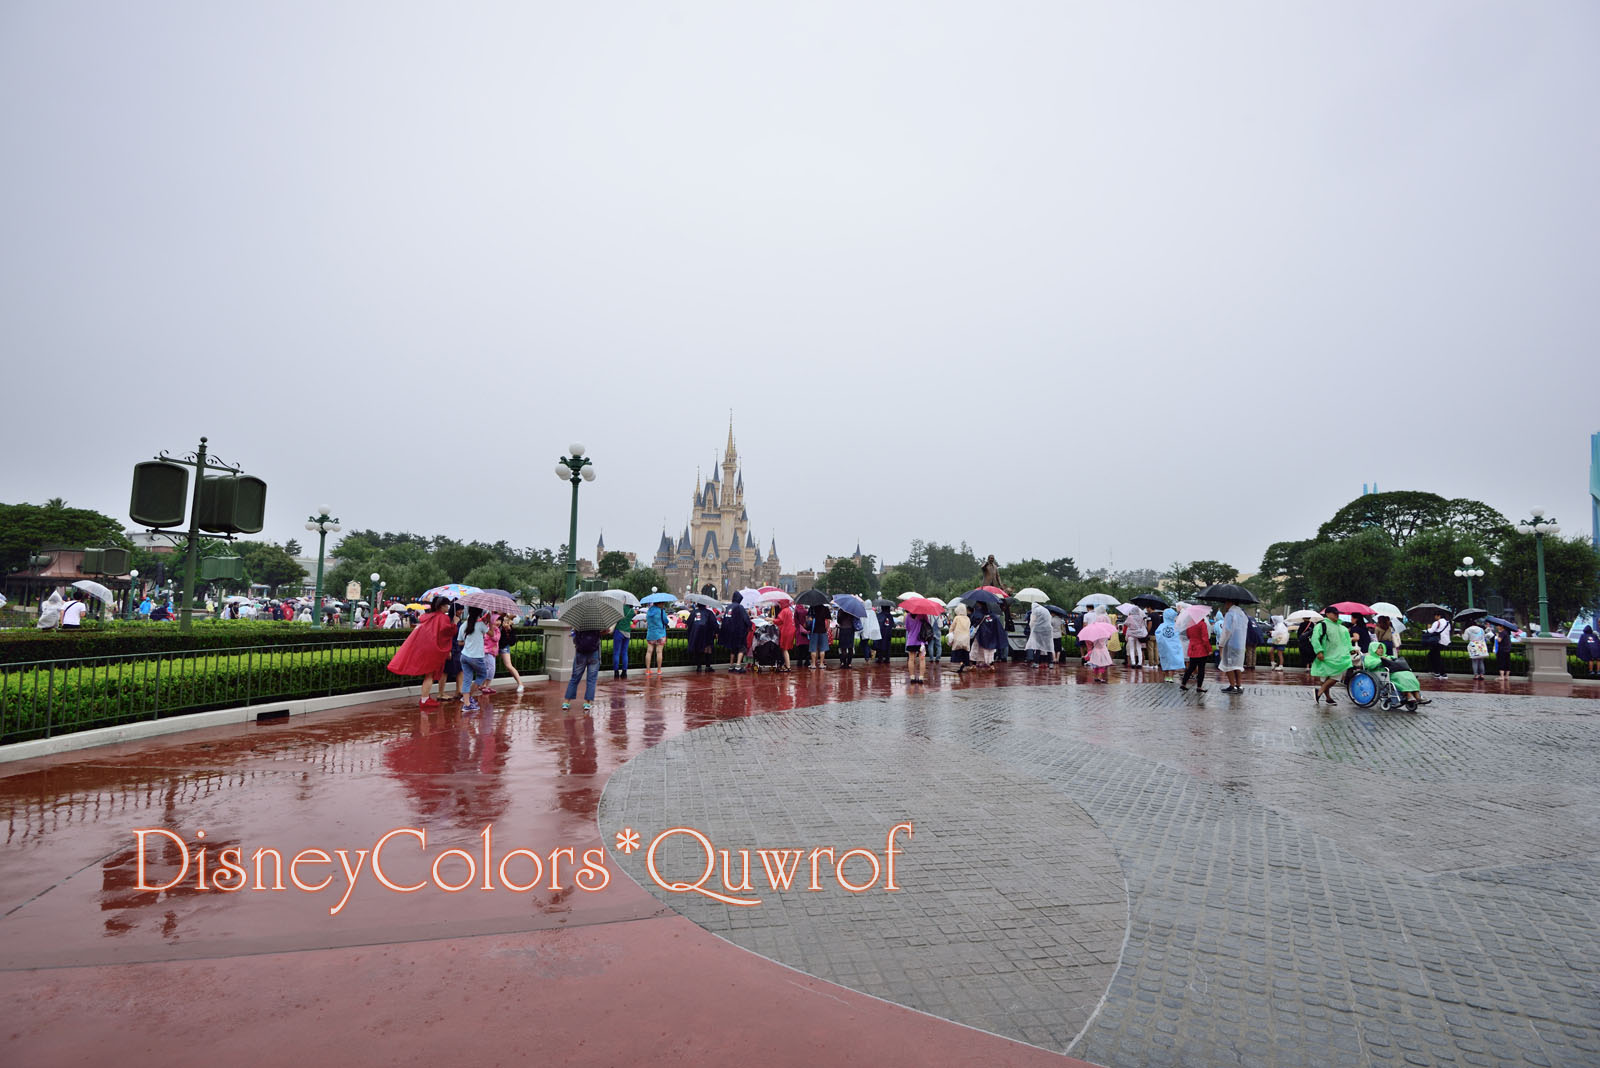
1539	526
1468	572
574	467
376	597
133	584
322	523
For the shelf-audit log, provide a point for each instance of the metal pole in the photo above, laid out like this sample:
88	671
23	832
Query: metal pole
572	542
1469	591
316	598
1544	603
191	555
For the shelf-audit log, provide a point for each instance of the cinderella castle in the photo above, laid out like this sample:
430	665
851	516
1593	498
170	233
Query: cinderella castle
717	547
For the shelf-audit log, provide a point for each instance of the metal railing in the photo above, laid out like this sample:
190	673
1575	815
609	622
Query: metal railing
43	698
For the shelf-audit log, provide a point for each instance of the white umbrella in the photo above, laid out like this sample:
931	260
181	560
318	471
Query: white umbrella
622	595
1303	615
1033	595
774	597
1095	600
908	595
1384	608
1127	609
93	589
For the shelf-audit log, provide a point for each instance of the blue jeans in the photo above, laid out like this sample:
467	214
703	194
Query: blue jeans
583	662
475	669
817	642
935	645
619	651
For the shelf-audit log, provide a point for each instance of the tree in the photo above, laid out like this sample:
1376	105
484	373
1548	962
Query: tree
1424	569
641	582
497	575
268	564
1570	572
613	565
27	528
457	559
1353	568
1402	514
1283	564
898	580
291	547
1199	574
1063	568
950	563
845	577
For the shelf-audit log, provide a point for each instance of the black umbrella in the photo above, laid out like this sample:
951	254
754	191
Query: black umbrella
1427	611
883	602
812	598
1053	610
1148	600
1227	591
979	596
1468	615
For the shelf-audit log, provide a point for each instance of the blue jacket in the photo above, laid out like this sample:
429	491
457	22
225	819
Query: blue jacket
655	624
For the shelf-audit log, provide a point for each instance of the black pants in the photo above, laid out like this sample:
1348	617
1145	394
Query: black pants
881	647
1435	661
701	658
1196	663
847	653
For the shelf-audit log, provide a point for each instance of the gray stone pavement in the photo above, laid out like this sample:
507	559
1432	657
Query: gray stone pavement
1295	887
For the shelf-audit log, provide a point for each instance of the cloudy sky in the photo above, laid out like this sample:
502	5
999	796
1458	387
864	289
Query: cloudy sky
1127	282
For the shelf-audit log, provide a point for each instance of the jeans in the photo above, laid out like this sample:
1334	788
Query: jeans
936	645
475	669
817	642
619	652
583	662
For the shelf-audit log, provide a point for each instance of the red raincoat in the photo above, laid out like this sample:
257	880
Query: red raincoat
427	647
786	628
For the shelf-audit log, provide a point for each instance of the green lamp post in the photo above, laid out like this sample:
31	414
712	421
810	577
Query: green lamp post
133	586
1539	526
322	523
574	468
1468	572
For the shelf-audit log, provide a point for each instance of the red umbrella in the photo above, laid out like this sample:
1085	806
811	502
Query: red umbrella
996	590
1353	608
921	606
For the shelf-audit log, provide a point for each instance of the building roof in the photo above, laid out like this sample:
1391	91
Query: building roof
750	541
666	542
602	542
684	544
709	549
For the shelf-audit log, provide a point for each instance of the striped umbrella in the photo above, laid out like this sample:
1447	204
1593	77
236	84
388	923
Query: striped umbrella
590	611
494	603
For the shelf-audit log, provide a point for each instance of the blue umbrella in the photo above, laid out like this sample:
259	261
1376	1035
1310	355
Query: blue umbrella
979	596
658	598
1498	622
852	604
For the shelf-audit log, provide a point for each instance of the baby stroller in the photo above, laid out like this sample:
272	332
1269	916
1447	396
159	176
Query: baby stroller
1385	681
766	652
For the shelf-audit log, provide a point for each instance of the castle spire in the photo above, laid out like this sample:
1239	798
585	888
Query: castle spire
730	454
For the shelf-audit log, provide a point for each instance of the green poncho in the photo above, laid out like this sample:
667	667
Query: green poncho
1332	640
1404	681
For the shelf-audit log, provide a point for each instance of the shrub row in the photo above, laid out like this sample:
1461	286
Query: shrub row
62	698
139	638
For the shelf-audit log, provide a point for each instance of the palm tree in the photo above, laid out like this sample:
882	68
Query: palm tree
55	502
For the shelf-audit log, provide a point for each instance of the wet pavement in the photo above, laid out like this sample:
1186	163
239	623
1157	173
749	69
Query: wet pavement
1244	879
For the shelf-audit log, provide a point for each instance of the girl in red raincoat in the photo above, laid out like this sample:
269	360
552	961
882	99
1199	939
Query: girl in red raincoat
426	648
786	633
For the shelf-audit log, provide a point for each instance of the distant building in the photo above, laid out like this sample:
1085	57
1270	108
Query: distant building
717	547
600	554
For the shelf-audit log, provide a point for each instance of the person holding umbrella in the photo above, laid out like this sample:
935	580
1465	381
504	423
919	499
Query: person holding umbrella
785	634
1136	629
1198	634
916	646
735	633
655	633
960	637
990	635
883	646
1232	640
1477	649
621	641
1437	640
817	637
1278	641
1331	641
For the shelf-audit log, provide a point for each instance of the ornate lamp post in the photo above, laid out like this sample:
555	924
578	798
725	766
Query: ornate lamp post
573	468
133	584
1539	526
1468	572
321	523
377	598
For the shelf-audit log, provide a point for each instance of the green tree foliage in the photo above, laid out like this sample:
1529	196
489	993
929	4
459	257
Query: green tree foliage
1198	574
612	566
1283	566
1402	514
641	582
1349	568
27	528
292	547
898	580
846	577
458	560
1424	569
496	575
1570	569
269	564
1063	568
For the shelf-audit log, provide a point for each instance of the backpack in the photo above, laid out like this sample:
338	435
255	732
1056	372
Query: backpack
586	641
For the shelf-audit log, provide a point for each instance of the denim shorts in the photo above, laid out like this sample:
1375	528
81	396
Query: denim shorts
816	642
475	669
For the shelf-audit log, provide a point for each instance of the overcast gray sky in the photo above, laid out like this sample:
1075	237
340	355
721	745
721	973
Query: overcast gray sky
1127	282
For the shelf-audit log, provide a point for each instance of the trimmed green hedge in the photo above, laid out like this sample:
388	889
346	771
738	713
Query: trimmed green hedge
138	638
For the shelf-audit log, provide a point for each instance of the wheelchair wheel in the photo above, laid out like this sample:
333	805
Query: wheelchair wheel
1362	688
1388	702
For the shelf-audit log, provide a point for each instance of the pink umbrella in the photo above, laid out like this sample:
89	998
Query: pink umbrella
1190	614
1095	631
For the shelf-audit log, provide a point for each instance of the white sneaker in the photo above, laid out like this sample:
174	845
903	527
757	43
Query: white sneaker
519	689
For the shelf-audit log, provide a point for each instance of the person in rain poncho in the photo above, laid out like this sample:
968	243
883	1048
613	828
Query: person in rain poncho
1589	650
1278	641
1041	636
990	635
50	611
1477	648
1404	681
1231	642
1198	637
426	649
1331	642
786	635
702	632
1137	628
960	637
882	647
1169	645
871	633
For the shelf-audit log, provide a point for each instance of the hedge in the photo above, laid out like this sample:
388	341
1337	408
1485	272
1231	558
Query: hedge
63	697
137	638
